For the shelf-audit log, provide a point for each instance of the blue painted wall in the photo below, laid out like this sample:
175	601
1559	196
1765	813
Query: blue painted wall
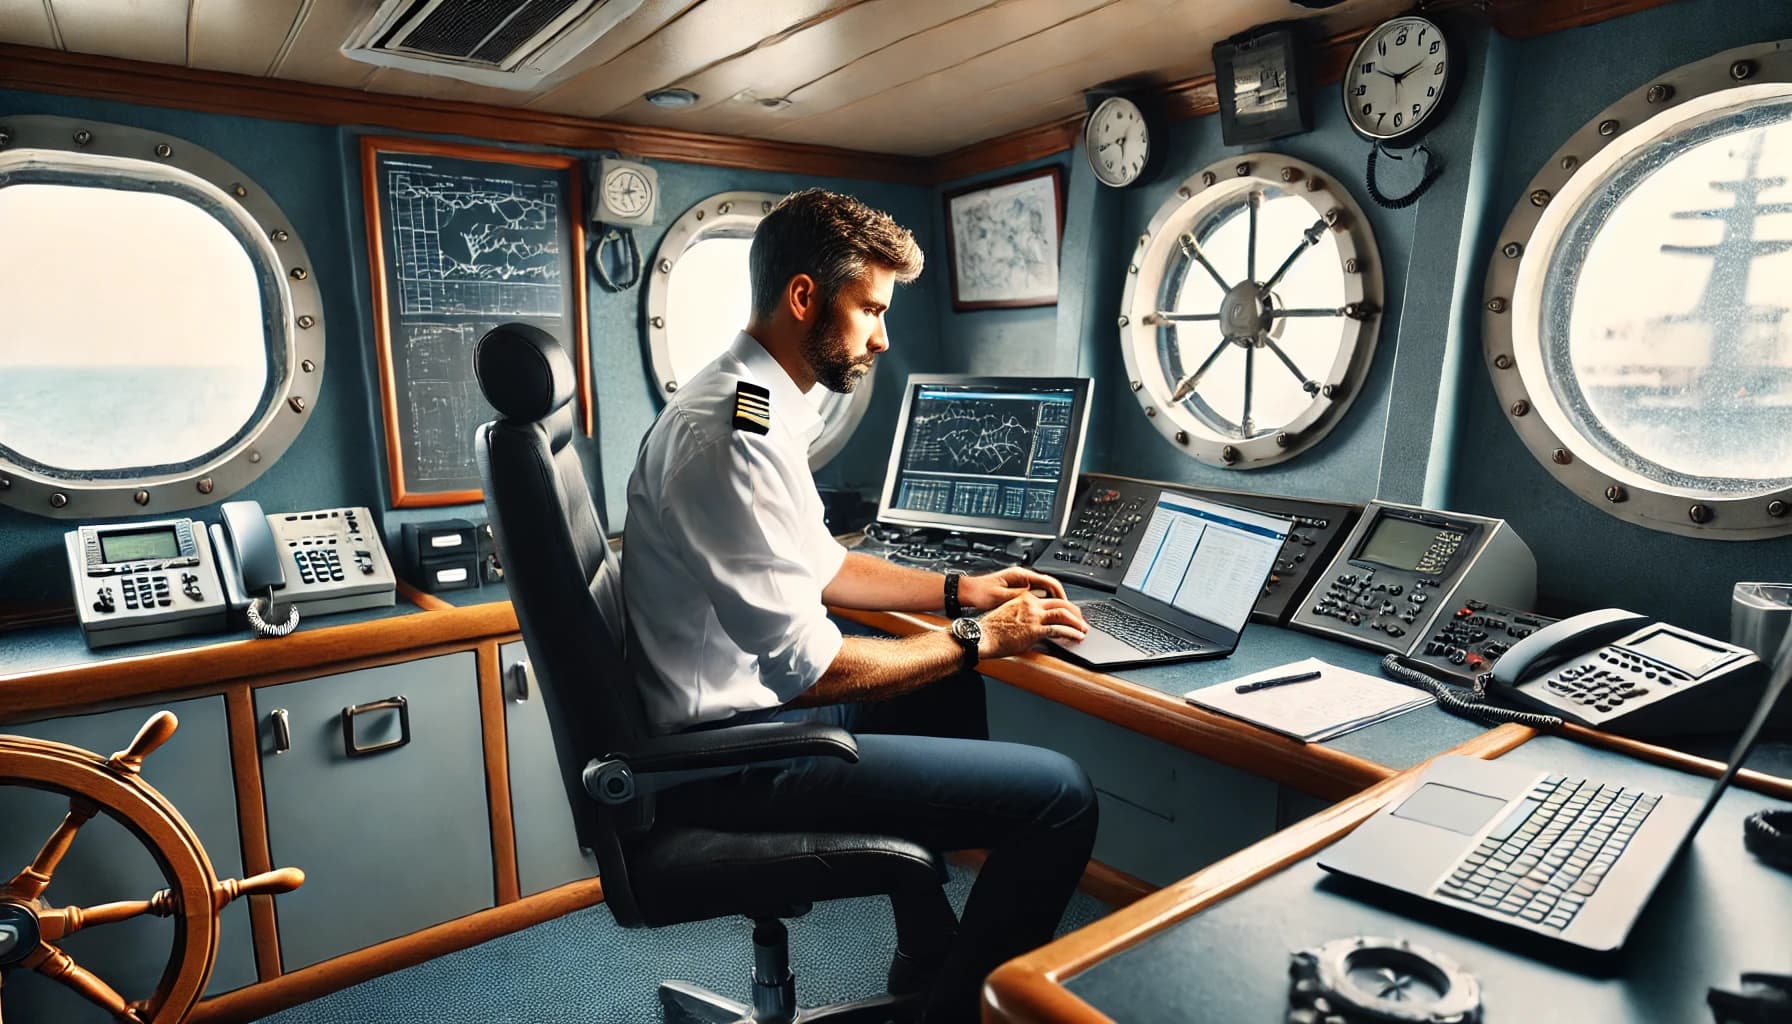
313	172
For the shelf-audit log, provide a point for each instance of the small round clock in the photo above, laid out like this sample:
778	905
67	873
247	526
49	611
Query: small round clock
1117	140
1398	81
627	191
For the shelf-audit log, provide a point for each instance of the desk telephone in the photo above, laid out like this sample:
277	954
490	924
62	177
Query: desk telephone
141	581
1624	673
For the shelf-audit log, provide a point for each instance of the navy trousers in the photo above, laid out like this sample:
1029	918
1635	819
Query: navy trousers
927	773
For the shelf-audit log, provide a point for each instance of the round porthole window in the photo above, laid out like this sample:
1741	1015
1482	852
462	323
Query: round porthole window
699	296
1251	310
1637	327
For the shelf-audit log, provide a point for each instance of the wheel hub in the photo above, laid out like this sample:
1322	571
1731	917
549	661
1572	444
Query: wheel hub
1244	313
19	935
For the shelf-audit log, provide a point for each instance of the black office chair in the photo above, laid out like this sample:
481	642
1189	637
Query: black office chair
565	582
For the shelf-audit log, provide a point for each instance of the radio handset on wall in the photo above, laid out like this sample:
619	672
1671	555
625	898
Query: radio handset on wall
328	560
251	565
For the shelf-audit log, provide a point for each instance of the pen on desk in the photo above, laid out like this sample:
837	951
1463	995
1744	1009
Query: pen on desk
1264	684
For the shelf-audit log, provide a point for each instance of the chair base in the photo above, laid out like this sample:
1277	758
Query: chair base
684	1003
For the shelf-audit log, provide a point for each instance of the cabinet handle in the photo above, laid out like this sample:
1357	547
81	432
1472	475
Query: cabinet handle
519	681
282	730
399	704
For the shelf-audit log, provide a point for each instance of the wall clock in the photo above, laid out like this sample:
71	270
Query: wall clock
1121	139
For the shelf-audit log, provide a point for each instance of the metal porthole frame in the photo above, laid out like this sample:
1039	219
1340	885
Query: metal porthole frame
1338	384
294	331
734	212
1512	300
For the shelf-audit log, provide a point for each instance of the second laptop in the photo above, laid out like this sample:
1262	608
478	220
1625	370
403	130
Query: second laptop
1188	593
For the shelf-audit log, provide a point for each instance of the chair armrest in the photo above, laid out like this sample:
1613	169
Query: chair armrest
739	745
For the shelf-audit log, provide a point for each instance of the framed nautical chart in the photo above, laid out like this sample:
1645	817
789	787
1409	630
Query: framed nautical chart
1002	241
463	239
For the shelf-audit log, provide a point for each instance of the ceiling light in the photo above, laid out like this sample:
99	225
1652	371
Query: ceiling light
672	99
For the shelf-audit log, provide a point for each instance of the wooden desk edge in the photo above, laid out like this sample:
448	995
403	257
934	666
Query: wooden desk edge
1030	987
1311	768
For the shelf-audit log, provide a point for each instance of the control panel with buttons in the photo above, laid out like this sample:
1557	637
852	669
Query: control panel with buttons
1404	571
1110	512
143	581
1465	644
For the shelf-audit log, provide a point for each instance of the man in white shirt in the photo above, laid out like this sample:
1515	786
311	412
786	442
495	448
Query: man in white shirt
728	570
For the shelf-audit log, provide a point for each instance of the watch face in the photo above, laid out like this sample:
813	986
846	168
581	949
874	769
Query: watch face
1117	141
627	192
967	629
1397	78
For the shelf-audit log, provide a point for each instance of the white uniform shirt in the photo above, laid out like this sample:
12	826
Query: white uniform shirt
727	550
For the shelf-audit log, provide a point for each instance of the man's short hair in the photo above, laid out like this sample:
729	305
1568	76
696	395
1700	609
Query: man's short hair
831	237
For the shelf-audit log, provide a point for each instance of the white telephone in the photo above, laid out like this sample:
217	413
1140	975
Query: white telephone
276	567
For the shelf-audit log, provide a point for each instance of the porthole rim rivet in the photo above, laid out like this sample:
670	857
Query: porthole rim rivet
1608	127
58	500
1282	439
205	485
1700	514
1521	408
83	137
1561	456
1242	168
308	365
1502	361
299	273
1208	178
671	386
1135	385
1124	320
1182	437
1540	197
1353	266
296	403
164	150
141	497
1570	162
1777	508
1228	454
1660	92
1512	250
1742	70
307	321
657	322
1497	304
1616	494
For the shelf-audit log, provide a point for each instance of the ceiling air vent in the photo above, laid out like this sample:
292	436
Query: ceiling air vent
510	44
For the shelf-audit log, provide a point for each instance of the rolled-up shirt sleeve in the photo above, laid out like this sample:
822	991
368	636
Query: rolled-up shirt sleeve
737	505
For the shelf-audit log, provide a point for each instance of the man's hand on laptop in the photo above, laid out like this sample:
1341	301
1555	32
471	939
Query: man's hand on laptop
1023	621
992	589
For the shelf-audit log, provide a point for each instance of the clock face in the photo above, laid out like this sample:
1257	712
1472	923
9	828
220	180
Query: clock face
1397	78
1117	141
627	192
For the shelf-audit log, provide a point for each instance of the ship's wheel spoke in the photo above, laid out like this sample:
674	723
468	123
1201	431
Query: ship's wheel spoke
1244	421
1308	239
1194	251
1323	311
63	921
55	964
1165	316
1250	246
31	882
1186	386
1307	384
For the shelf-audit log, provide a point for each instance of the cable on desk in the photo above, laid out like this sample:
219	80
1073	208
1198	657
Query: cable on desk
1475	707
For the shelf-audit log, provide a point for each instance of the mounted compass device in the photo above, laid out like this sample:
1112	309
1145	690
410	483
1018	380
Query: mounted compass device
1372	980
1251	310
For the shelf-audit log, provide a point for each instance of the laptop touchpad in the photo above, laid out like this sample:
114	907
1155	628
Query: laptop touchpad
1458	810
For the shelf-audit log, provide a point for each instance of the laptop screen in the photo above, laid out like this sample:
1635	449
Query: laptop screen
1205	559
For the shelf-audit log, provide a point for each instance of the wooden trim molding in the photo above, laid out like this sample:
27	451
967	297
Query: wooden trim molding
1747	778
427	602
252	823
247	1004
1028	988
218	92
308	652
1310	768
497	773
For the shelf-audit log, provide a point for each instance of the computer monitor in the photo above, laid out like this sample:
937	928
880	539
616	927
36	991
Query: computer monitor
986	454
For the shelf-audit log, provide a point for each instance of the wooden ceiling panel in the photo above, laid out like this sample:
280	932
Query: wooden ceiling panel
811	53
702	37
314	53
228	35
27	23
647	19
152	30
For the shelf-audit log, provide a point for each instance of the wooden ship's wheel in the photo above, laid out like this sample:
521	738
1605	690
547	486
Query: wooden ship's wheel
31	928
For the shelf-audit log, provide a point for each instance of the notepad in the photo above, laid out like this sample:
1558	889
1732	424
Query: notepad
1339	701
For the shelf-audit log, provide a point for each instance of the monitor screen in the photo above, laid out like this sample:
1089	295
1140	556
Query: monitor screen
1403	544
1204	558
986	454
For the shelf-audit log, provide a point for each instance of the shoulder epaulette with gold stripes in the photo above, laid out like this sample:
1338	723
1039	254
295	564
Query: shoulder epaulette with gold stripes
752	408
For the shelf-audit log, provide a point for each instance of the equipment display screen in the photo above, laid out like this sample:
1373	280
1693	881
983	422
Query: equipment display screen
1398	543
137	545
996	455
1681	652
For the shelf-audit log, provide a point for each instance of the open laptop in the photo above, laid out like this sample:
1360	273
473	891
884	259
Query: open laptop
1571	859
1198	570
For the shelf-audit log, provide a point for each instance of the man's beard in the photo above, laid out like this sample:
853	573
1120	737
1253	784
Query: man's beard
824	346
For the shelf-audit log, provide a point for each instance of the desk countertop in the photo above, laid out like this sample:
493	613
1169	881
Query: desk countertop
1718	913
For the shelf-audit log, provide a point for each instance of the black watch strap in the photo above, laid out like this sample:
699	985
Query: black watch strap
953	608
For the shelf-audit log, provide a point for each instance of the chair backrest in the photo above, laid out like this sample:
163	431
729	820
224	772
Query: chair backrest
564	579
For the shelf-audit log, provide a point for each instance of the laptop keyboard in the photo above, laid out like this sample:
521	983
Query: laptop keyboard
1548	856
1142	635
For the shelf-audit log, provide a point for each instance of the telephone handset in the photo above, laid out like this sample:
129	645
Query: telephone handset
311	562
1621	672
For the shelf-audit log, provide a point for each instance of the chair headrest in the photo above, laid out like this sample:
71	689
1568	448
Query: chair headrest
524	372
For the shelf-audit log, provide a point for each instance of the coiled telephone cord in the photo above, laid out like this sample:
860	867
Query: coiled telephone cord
1475	707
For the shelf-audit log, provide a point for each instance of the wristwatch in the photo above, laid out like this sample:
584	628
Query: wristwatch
954	610
969	634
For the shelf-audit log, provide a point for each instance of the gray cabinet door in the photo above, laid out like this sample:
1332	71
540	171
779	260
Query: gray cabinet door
107	864
390	842
547	849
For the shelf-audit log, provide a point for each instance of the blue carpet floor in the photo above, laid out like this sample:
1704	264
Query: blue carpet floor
583	969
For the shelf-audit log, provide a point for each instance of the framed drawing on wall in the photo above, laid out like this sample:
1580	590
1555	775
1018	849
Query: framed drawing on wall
1002	241
462	239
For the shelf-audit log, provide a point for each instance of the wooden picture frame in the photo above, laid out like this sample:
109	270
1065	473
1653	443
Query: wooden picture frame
516	254
1003	240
